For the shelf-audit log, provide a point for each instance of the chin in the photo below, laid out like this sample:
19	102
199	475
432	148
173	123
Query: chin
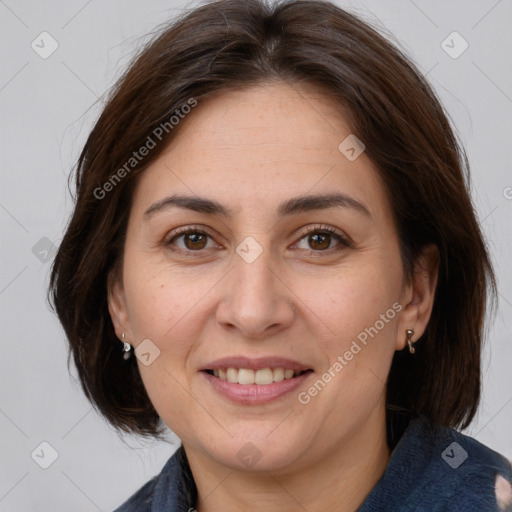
258	452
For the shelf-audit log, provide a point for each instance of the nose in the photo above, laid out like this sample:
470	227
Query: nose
256	300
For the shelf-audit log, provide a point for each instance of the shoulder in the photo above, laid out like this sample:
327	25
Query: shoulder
461	472
434	468
171	490
477	474
140	501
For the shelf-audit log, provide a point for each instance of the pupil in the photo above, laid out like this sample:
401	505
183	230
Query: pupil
195	238
324	237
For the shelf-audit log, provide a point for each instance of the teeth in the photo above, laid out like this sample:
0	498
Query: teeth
248	376
288	374
245	376
278	374
265	376
232	375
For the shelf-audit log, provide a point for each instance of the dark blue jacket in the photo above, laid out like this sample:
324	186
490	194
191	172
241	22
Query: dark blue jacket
431	469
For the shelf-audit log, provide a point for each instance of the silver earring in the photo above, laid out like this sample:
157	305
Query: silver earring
409	334
126	348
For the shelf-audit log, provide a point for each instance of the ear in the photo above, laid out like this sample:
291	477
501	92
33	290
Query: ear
418	296
117	305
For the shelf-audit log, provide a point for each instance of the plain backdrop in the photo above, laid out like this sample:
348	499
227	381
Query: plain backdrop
48	106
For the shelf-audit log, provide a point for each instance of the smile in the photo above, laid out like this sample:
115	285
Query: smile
246	376
252	381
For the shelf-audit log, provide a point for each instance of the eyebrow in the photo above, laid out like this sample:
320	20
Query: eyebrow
292	206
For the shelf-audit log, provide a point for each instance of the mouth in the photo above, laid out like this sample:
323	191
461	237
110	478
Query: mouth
255	381
261	377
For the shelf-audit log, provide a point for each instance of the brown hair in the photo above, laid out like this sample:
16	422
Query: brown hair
232	43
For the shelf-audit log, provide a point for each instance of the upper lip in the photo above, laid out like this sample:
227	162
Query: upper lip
255	363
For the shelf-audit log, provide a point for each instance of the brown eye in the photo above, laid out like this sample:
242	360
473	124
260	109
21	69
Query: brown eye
188	240
319	241
194	241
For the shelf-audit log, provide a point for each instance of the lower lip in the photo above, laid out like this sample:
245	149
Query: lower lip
253	394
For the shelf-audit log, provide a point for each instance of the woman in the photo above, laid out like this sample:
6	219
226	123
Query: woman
274	253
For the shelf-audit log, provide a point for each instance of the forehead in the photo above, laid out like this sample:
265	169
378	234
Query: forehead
253	148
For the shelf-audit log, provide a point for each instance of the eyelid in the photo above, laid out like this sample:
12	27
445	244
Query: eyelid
188	229
317	228
343	239
184	230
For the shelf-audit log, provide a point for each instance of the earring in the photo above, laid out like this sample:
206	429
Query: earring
409	334
126	348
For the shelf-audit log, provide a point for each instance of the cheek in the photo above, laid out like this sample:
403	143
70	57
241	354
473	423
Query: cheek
157	312
154	307
161	301
356	318
163	312
351	302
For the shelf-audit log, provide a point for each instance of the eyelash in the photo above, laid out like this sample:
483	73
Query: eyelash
310	230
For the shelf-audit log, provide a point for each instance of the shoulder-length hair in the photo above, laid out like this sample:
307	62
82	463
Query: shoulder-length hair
230	44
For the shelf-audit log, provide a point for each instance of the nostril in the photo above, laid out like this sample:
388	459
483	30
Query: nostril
503	491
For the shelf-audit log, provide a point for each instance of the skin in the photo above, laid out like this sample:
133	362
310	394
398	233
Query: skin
303	298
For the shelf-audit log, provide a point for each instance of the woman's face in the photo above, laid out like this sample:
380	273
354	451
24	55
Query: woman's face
261	285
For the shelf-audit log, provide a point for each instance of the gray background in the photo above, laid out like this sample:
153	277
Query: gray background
47	109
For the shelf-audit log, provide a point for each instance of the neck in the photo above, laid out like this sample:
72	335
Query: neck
338	481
